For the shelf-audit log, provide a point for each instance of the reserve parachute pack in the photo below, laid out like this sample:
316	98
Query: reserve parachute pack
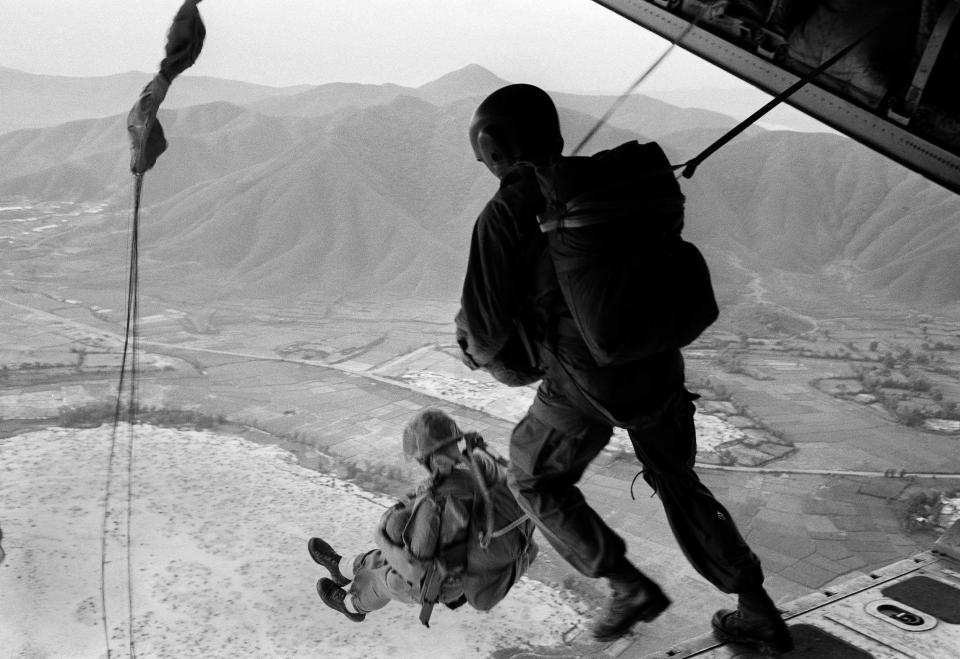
634	287
477	537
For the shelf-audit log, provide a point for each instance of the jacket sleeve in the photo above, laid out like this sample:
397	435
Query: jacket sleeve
492	469
494	286
497	287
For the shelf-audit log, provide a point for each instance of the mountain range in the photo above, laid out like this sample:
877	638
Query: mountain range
356	190
34	101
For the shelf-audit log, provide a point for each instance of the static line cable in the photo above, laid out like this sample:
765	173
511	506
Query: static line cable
690	167
134	397
636	83
113	435
130	347
103	537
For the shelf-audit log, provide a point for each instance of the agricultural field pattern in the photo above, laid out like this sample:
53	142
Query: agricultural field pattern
831	433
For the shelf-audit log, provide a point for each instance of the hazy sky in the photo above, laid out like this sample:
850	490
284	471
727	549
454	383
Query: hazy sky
560	44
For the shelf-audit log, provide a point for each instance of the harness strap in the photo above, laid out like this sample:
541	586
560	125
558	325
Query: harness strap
433	579
426	608
657	246
487	534
511	526
586	213
526	343
474	440
935	43
453	439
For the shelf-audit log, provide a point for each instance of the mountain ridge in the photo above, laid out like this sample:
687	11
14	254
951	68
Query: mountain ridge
382	199
33	100
40	101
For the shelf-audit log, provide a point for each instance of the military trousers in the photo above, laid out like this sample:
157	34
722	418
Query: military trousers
375	583
564	431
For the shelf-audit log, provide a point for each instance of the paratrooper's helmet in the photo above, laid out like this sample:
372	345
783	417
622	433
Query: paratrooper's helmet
515	123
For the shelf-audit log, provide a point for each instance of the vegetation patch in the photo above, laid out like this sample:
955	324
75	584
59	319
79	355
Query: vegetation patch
930	511
731	360
385	479
96	414
766	320
752	444
306	350
906	393
840	387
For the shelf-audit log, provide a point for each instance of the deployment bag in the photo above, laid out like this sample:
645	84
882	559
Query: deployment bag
633	286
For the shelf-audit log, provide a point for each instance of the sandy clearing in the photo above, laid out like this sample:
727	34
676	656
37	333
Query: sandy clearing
219	564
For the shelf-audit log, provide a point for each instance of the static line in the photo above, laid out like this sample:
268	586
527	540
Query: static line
131	340
636	83
134	400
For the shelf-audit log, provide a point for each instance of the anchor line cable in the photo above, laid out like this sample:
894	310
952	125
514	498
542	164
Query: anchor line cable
620	100
689	167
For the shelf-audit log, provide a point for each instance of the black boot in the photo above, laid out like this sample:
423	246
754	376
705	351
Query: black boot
333	596
767	632
323	554
637	599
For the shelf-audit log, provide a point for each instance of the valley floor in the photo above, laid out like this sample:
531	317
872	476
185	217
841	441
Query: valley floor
335	387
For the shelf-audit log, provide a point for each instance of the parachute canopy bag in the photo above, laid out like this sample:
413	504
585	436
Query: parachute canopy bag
634	287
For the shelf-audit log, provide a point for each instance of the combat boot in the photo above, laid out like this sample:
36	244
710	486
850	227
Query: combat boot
633	601
334	596
323	554
769	632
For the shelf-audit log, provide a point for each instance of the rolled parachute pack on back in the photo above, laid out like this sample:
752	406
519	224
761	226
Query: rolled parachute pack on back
465	532
613	220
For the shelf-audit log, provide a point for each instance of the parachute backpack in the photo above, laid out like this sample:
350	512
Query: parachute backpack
477	534
634	287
